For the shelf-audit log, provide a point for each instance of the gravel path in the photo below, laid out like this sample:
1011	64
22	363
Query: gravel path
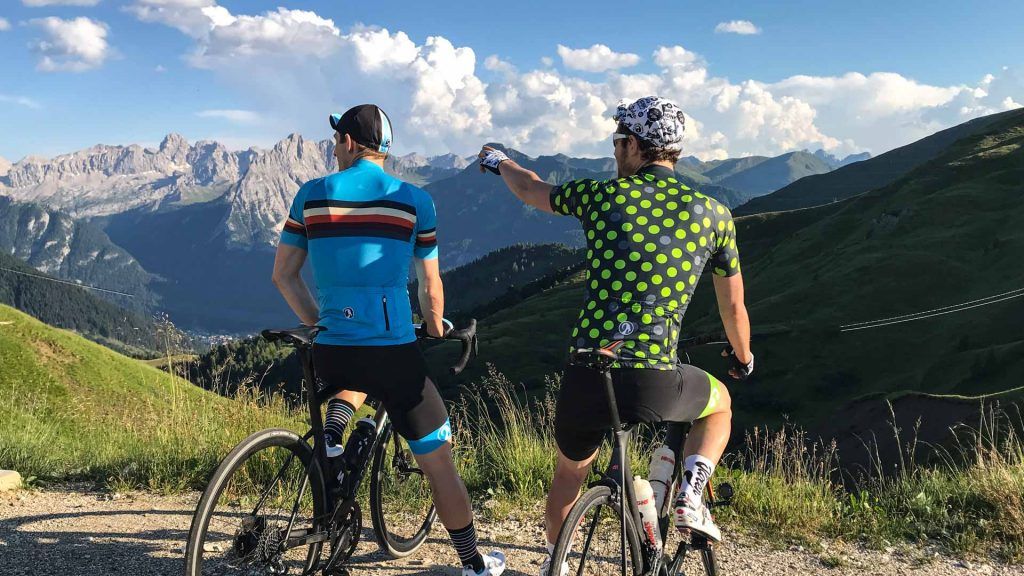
75	530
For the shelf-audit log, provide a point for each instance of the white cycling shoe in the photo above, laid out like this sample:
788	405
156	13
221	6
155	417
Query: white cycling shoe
494	565
694	516
545	568
333	450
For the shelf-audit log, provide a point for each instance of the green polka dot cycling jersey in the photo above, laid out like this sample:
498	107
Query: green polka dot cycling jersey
649	237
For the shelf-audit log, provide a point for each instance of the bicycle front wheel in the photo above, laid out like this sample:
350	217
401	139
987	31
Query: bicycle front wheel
401	505
241	525
590	542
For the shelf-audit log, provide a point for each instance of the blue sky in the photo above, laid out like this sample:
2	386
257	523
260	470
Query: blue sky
843	76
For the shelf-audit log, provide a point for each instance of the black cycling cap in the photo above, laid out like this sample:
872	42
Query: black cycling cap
367	124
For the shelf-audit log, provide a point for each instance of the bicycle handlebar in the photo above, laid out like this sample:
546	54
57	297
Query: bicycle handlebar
467	336
702	340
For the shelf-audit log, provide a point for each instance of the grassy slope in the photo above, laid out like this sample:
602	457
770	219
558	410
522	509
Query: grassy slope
874	173
944	234
71	408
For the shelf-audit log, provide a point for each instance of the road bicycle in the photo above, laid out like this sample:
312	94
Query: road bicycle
273	505
603	533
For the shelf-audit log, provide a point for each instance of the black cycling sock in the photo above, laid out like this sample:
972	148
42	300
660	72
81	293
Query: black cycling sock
338	414
464	540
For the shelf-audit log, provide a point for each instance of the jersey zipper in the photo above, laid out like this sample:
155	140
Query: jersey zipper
384	305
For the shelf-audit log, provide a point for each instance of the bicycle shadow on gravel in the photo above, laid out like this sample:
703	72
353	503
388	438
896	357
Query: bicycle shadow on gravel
57	544
370	559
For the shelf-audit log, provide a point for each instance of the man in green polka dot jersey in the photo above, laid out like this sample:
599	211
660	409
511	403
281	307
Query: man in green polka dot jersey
649	237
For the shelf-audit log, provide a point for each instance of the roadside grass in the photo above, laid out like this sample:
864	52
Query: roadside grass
73	410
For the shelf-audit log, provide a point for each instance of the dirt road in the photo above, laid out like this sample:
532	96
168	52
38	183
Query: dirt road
78	531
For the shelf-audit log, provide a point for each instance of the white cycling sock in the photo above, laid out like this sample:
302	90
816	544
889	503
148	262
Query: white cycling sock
697	471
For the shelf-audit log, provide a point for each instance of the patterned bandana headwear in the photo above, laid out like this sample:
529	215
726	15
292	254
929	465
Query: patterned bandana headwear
657	121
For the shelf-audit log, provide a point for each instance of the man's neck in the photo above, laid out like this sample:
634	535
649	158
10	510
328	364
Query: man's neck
663	163
659	164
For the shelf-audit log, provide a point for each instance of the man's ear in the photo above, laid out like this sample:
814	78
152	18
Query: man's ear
350	144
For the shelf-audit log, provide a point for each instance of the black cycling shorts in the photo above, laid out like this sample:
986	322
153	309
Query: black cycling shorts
582	416
395	375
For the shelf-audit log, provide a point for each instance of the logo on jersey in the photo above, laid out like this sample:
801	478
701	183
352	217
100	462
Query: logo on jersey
348	312
627	328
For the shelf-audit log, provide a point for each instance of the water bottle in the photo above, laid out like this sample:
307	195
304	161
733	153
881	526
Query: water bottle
357	448
663	463
648	513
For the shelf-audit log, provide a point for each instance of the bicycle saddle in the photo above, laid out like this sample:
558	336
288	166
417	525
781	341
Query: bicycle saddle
599	358
298	336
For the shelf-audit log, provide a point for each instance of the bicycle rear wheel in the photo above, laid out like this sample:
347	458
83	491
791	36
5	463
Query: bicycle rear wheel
242	518
401	505
590	542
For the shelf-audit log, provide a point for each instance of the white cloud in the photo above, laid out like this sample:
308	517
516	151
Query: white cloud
597	58
70	45
20	101
4	25
743	27
547	61
236	116
160	69
1010	104
292	67
39	3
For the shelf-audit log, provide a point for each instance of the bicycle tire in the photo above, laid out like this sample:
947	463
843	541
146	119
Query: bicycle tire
391	543
595	498
707	557
709	560
269	438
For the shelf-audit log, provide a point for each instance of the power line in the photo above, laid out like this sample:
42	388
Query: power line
959	309
75	284
932	310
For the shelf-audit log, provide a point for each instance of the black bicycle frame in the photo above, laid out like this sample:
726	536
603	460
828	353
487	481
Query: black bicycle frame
305	537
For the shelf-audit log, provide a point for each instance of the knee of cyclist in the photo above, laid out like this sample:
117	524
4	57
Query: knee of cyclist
433	441
724	401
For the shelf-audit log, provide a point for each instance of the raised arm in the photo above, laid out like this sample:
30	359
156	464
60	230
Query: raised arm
525	184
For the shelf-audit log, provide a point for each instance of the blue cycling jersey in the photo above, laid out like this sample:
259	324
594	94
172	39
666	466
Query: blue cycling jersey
362	228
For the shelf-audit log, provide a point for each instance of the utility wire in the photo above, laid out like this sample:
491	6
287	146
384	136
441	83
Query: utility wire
75	284
879	320
960	309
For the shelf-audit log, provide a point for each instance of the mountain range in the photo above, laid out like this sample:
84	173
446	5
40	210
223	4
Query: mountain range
856	178
190	228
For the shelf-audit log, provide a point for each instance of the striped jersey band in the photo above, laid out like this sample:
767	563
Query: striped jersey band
379	218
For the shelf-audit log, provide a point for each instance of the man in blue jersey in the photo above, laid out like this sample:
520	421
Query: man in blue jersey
361	228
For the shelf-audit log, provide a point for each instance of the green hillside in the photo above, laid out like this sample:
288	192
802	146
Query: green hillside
70	408
771	174
468	289
721	169
870	174
74	308
946	233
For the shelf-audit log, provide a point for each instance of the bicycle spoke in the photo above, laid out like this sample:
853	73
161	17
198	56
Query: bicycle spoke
262	503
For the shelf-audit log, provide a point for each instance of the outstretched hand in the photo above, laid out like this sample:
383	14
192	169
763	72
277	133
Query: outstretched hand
490	159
